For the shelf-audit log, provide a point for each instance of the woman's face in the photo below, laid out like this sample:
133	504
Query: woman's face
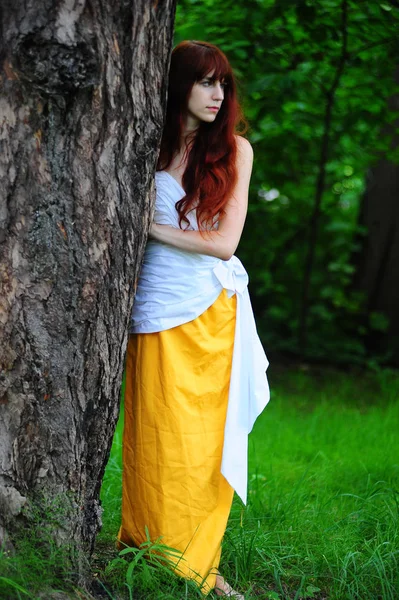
205	100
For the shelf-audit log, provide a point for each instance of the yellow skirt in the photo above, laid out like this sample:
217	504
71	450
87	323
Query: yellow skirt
177	384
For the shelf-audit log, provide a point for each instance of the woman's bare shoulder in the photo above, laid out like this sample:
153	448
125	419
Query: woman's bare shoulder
245	154
244	147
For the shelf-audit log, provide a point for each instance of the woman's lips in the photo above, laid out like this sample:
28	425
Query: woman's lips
213	108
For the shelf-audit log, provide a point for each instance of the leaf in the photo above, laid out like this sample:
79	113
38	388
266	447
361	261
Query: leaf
310	591
14	585
378	321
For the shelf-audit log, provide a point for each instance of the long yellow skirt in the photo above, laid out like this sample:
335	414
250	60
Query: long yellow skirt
177	384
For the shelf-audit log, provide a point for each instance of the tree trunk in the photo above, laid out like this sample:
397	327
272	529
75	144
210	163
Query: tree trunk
377	267
377	273
82	93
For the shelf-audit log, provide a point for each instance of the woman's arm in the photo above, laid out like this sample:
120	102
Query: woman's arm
222	242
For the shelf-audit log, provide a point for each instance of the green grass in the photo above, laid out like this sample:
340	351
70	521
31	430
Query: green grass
37	565
322	520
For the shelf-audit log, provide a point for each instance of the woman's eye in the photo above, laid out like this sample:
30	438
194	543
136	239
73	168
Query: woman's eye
208	83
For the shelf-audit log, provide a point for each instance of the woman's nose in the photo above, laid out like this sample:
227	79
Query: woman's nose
218	92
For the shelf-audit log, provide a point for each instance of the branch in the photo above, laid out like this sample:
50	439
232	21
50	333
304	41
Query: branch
320	185
354	53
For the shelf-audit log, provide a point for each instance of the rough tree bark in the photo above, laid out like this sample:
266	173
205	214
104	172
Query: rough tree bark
377	273
82	95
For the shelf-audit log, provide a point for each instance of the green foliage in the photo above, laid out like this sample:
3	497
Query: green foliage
147	567
38	562
287	57
7	586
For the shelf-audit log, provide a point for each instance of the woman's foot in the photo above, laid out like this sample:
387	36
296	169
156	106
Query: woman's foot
222	588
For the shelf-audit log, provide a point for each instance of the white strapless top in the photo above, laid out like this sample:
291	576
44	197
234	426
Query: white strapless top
176	287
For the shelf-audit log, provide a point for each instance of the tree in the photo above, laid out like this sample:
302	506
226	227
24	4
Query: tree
377	274
82	96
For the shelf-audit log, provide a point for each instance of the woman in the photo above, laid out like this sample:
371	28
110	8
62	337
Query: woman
195	371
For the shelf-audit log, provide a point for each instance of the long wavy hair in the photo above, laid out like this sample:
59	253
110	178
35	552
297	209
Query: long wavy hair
211	172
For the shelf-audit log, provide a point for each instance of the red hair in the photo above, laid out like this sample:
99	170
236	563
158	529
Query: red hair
211	172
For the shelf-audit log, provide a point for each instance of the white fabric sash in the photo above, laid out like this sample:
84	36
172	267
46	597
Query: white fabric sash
176	287
249	389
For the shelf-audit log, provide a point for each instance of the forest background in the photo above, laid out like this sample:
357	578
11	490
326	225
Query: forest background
318	81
